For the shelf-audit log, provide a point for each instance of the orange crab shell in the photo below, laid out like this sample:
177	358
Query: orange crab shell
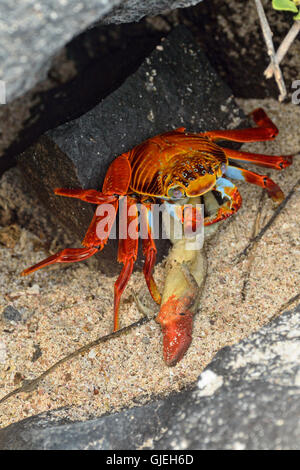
175	158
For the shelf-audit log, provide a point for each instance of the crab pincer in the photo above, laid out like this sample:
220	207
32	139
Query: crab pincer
176	320
186	273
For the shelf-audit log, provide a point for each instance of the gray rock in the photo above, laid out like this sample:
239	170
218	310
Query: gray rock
247	398
175	86
75	82
134	10
32	32
11	314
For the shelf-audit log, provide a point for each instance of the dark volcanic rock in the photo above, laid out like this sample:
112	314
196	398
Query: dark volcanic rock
231	36
175	86
247	398
76	82
53	55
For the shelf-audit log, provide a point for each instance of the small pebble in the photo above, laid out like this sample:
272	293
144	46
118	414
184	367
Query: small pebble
11	314
37	353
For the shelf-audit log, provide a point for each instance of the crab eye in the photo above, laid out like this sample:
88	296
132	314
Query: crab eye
223	168
176	192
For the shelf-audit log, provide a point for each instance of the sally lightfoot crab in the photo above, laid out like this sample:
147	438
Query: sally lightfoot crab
172	168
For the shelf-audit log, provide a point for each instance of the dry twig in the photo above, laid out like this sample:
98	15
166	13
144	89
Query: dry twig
285	305
283	48
30	385
271	50
279	209
255	231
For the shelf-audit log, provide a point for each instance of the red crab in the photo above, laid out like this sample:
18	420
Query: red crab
170	167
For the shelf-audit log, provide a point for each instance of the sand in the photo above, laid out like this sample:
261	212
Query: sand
65	307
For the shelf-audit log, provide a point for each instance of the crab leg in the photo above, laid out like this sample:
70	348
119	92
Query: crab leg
94	236
266	130
69	255
101	225
149	251
117	177
93	242
116	182
127	253
264	181
88	195
229	191
267	161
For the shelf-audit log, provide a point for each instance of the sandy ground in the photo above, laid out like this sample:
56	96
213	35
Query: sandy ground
64	307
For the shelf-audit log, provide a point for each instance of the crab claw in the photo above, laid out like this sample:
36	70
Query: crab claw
186	269
176	320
